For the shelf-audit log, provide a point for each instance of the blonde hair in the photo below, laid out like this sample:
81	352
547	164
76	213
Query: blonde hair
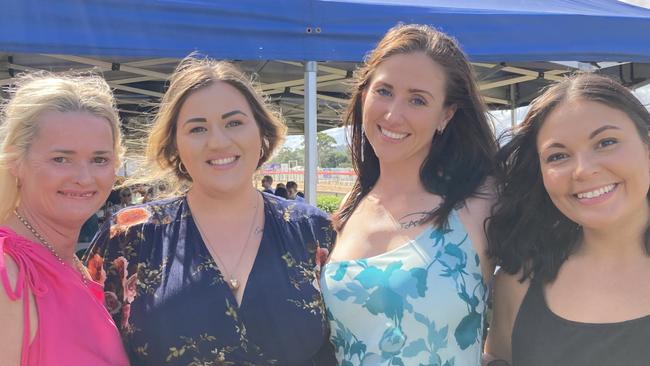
192	74
36	93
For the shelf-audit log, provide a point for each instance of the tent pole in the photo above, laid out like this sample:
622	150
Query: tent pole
513	106
311	151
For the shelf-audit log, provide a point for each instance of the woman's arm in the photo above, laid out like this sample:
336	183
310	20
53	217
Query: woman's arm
12	316
473	215
508	294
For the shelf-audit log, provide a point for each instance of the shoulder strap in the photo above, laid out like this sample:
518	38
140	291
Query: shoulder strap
27	279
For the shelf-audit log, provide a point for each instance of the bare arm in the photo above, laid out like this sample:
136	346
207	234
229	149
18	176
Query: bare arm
473	216
12	318
508	294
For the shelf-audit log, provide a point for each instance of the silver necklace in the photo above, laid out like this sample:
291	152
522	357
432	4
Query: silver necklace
232	281
46	244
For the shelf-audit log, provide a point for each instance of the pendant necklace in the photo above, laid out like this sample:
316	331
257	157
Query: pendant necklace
232	282
80	267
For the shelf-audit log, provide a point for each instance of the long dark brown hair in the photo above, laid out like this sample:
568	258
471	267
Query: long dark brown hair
526	231
460	159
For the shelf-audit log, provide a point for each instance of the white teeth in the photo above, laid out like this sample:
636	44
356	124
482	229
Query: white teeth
597	192
84	195
223	161
393	135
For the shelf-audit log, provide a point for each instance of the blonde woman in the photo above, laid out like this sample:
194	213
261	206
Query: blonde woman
59	152
220	273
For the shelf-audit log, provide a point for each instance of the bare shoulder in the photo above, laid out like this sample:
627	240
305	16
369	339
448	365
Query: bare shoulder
510	288
11	317
345	199
473	214
481	204
11	269
508	293
476	210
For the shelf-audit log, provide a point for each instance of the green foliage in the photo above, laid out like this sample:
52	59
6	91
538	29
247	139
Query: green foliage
328	203
328	155
287	155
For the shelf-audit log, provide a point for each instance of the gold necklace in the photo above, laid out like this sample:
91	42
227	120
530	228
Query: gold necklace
46	244
232	282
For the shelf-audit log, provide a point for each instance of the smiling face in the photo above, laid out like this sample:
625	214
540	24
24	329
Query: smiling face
69	168
403	106
218	139
595	166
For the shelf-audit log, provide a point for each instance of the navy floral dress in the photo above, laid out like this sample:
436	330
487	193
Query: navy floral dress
173	306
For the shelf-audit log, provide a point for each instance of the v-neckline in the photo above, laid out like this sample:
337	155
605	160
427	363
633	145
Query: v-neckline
229	293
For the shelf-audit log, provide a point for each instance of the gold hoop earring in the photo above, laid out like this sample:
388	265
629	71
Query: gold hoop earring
181	168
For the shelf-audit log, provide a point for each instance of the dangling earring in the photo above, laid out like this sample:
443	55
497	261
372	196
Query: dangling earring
181	168
363	143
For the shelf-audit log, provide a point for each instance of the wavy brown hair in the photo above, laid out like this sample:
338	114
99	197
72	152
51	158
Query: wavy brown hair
526	232
194	73
460	159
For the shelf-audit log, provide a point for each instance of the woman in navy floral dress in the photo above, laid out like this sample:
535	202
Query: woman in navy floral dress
220	274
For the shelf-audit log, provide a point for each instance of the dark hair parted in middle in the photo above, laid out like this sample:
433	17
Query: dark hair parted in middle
526	232
460	158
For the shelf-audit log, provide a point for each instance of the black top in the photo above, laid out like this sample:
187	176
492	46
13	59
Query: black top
540	337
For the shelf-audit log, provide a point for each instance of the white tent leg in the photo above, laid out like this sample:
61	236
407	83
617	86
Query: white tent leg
311	151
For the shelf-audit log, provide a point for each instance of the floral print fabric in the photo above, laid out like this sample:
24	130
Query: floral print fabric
422	303
173	306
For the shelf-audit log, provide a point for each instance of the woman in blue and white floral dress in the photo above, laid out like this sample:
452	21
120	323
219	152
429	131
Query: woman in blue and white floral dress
406	281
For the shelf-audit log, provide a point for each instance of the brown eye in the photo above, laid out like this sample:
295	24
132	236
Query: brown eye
607	142
556	157
234	123
198	129
100	160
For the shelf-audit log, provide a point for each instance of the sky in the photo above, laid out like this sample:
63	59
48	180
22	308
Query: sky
643	3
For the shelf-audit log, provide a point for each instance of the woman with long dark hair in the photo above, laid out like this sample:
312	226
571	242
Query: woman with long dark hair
406	281
570	230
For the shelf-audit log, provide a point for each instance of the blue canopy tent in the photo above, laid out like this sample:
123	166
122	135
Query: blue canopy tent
114	35
323	30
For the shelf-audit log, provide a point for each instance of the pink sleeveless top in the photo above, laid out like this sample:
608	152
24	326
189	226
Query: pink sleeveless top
74	327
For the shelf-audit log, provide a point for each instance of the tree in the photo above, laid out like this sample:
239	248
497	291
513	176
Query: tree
328	154
287	155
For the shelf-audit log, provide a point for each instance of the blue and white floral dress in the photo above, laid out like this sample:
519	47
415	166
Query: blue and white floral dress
422	303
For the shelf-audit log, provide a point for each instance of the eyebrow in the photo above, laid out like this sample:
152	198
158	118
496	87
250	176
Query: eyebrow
196	120
72	152
411	90
223	116
421	91
555	144
232	113
601	129
595	133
